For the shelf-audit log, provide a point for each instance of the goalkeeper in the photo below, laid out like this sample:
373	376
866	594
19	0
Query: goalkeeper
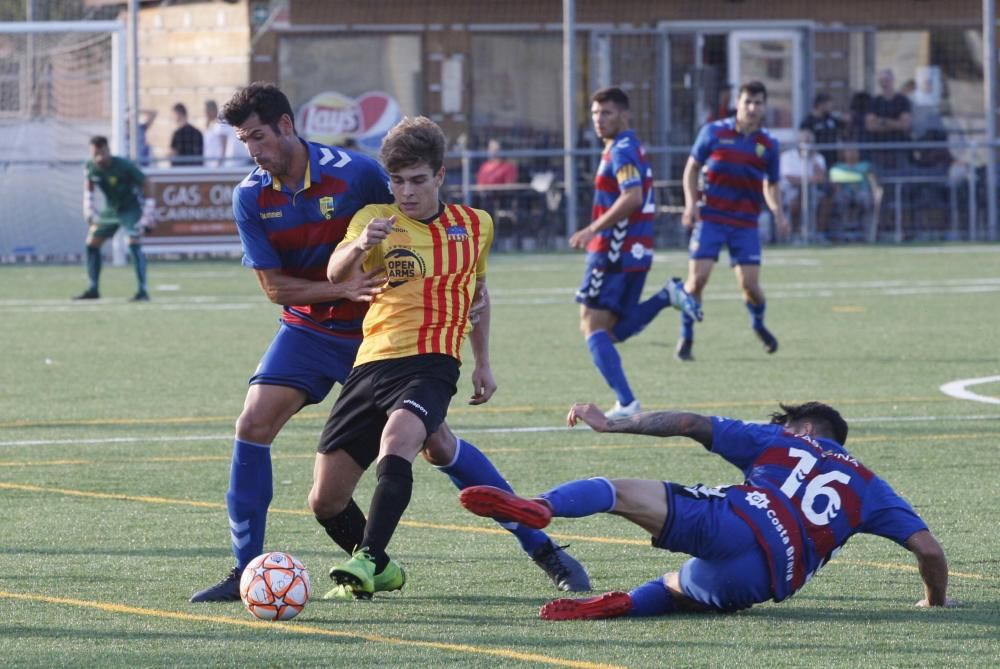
122	184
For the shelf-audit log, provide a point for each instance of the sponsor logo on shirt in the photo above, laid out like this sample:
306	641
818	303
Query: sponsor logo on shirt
271	214
402	265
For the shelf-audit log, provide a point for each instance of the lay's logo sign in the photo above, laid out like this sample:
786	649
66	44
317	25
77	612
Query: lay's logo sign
332	118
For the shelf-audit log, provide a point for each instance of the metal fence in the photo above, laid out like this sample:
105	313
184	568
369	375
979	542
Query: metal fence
510	72
916	191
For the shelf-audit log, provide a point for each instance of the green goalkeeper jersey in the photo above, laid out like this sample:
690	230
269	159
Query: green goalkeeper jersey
121	184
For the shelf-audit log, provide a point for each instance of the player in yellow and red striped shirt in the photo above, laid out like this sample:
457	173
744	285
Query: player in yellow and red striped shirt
434	260
432	268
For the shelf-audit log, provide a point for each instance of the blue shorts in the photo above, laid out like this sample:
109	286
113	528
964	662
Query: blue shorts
708	239
307	360
729	570
616	292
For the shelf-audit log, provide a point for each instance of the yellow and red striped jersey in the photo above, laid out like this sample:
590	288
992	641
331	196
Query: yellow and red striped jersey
431	270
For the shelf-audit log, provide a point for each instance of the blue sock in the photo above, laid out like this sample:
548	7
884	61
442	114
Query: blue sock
249	494
609	364
640	316
584	497
471	467
756	314
687	327
139	264
93	265
652	599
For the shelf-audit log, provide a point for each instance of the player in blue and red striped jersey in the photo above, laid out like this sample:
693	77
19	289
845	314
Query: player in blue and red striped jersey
619	243
291	213
802	498
741	161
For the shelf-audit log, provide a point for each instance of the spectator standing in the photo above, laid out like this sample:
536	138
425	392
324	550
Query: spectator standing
145	154
219	138
186	144
827	126
888	119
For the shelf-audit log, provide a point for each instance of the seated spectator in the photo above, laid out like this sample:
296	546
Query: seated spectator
802	165
854	189
495	170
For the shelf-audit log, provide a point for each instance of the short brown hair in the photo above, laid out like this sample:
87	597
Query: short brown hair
261	98
611	94
99	142
413	141
753	88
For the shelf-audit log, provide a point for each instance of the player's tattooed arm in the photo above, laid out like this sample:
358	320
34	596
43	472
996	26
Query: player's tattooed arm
652	423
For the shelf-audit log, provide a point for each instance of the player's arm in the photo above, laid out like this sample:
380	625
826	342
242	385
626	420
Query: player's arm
652	423
346	259
690	180
89	204
627	203
483	383
145	191
280	288
933	568
772	195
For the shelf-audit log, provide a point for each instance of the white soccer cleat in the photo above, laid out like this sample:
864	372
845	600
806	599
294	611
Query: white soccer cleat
681	300
619	411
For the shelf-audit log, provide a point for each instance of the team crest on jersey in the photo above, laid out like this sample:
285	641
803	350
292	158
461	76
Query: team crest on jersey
457	233
113	180
402	265
326	207
760	149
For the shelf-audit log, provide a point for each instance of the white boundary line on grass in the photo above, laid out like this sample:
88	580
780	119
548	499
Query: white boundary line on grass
463	430
960	389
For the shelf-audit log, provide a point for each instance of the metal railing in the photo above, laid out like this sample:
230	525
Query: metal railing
945	200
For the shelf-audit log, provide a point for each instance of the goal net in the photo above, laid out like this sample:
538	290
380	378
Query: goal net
60	84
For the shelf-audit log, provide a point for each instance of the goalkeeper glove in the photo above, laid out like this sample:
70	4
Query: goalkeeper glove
148	219
90	213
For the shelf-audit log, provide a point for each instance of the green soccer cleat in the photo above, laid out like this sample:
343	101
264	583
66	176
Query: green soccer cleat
358	573
393	577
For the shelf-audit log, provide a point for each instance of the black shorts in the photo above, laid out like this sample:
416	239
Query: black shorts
422	384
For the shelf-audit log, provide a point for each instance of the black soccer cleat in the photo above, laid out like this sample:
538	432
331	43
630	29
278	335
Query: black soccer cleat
89	294
766	338
567	574
683	351
226	590
141	296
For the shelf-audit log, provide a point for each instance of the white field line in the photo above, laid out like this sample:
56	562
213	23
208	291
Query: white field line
540	296
960	389
463	430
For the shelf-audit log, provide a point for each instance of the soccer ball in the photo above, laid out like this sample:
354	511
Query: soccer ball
275	586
